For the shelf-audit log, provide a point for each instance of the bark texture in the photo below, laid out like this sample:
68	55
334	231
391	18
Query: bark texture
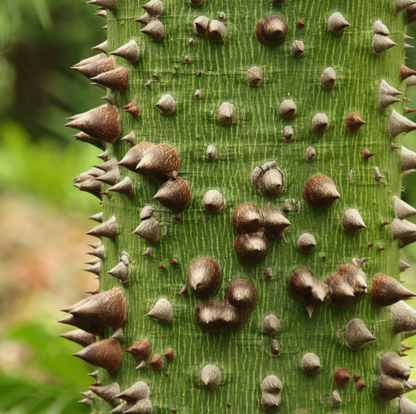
178	66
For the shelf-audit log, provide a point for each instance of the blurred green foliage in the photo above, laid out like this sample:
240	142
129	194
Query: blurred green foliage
51	381
39	41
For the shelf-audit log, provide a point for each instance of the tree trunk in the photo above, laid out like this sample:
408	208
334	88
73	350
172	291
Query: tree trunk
221	98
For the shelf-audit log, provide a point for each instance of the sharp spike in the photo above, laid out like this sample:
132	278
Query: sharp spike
97	217
404	317
79	337
107	392
408	159
401	5
155	29
102	47
94	269
403	265
103	156
83	137
386	95
104	354
130	138
107	308
102	123
120	271
124	187
138	391
95	67
107	4
112	177
406	72
402	209
114	79
98	252
129	51
401	228
85	325
386	291
107	229
398	124
381	44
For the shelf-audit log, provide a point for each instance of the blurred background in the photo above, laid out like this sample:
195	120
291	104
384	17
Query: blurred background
39	41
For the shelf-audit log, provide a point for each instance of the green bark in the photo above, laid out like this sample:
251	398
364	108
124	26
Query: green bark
253	140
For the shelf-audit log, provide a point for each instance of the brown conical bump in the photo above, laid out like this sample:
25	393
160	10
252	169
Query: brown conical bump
162	311
102	123
129	51
217	31
134	155
107	308
122	408
210	377
159	162
114	79
97	217
108	392
94	58
275	223
120	271
329	78
149	229
247	218
254	75
270	324
106	4
406	406
399	124
337	23
227	113
242	294
104	354
84	324
341	376
201	25
125	187
306	243
381	43
96	66
251	248
402	209
138	391
320	122
156	362
86	401
402	228
106	229
130	138
107	165
98	252
357	335
174	194
308	288
389	388
386	95
213	316
352	221
140	349
354	122
83	137
92	186
154	7
155	29
169	354
386	291
80	337
102	47
112	177
366	155
394	366
320	192
132	108
204	277
144	19
275	347
406	72
310	363
272	30
347	286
